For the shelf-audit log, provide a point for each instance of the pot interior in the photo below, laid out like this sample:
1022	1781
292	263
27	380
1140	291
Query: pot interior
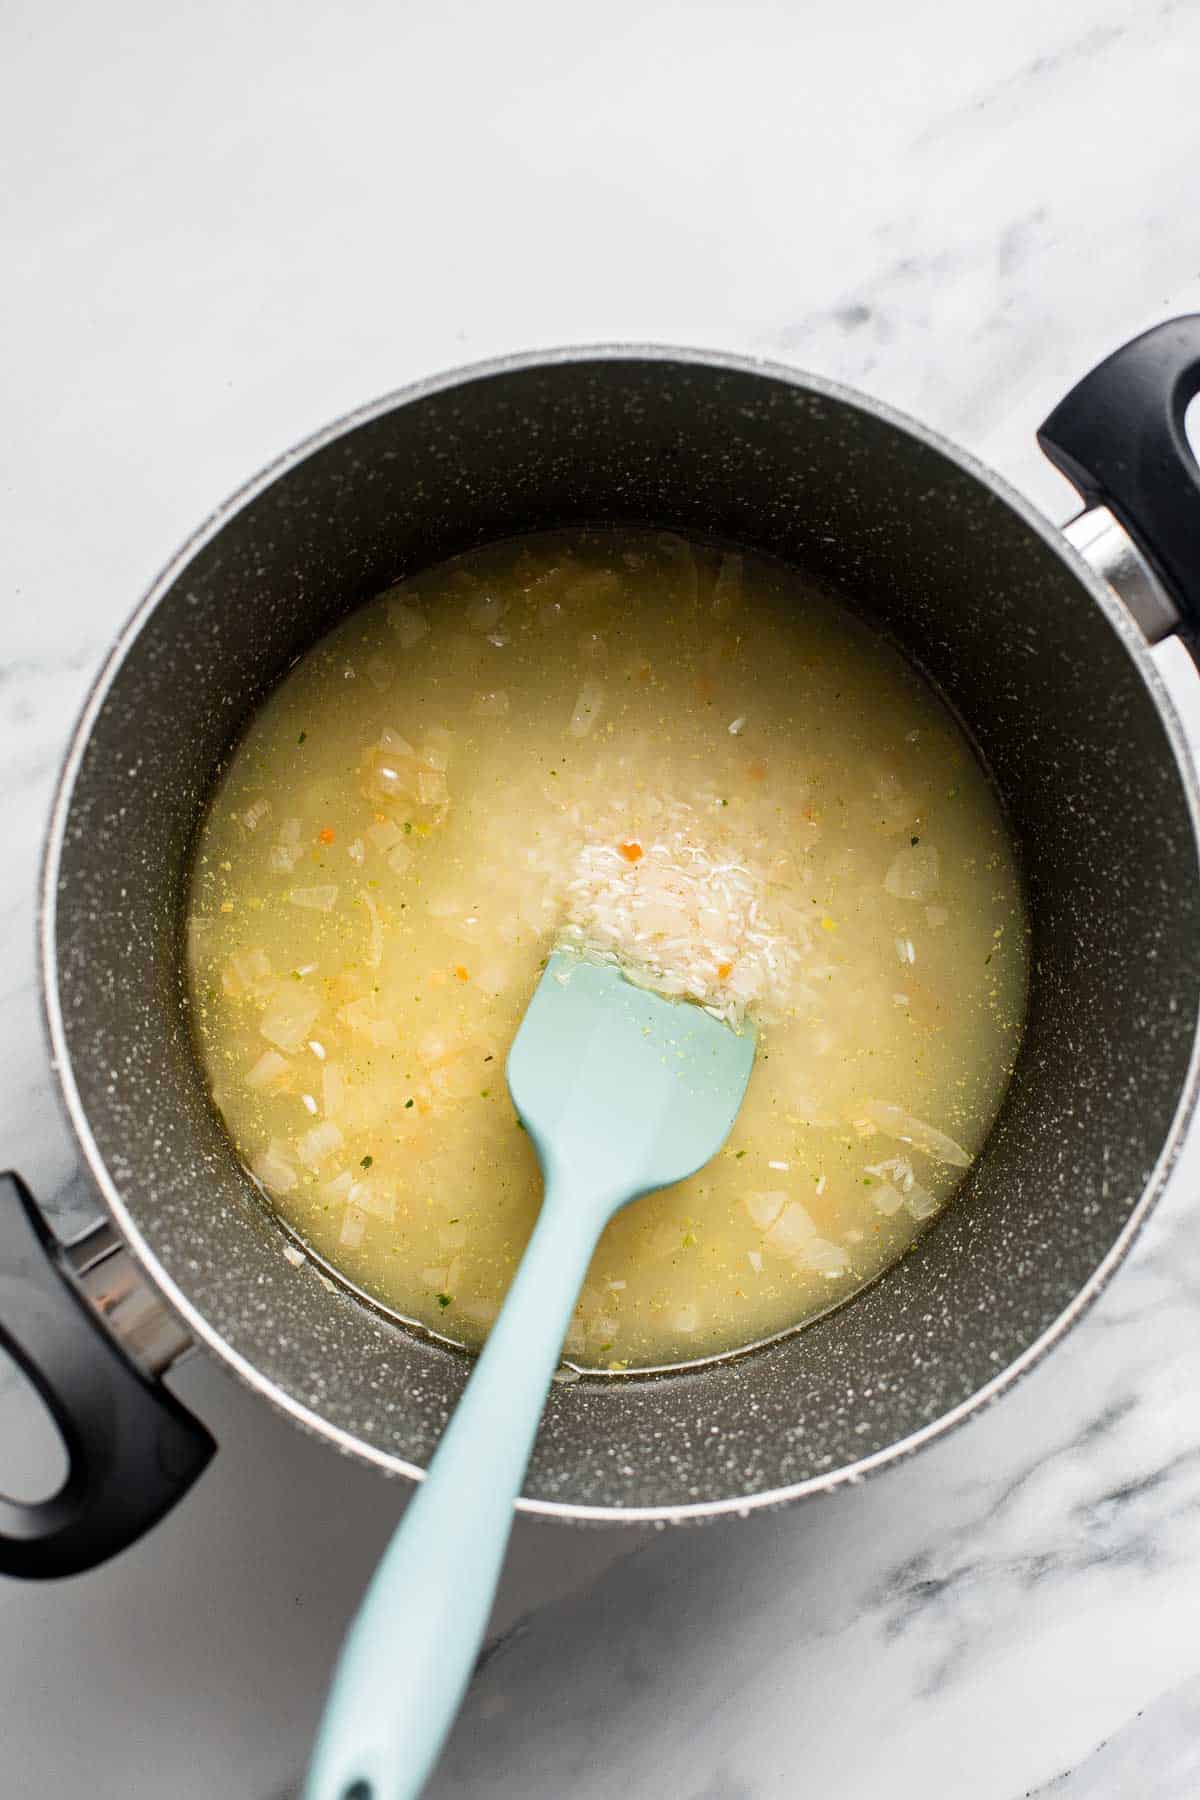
992	607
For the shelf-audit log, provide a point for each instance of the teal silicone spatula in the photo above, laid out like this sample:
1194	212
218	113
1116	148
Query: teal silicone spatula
622	1092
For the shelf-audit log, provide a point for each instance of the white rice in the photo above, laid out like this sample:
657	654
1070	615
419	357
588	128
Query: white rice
684	916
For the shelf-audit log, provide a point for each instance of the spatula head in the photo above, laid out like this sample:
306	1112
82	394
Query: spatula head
621	1090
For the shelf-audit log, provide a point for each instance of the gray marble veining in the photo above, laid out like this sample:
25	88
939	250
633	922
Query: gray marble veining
223	229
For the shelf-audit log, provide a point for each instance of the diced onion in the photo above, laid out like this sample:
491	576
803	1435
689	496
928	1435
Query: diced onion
913	874
375	940
389	776
764	1209
386	833
395	745
289	1017
248	974
825	1258
287	849
313	1147
254	815
899	1124
432	789
681	554
273	1169
316	899
333	1090
920	1202
589	704
198	929
281	860
792	1231
886	1198
407	622
374	1200
727	589
360	1016
437	747
269	1069
354	1224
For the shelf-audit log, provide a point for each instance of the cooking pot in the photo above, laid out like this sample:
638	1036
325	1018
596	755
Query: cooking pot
1040	641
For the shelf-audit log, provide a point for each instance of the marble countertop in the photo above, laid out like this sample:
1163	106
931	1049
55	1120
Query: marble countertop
224	225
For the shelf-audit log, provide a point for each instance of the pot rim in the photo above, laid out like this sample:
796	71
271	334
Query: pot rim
191	1316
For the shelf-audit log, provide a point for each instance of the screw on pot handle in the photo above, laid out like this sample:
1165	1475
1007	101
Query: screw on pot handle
1119	438
132	1449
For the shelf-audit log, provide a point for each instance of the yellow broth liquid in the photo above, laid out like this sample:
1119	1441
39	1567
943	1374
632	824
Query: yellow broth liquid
379	880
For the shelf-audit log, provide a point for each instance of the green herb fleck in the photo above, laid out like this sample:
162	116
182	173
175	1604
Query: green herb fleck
366	1162
484	1092
914	841
408	825
689	1240
302	737
520	1124
738	1155
443	1301
407	1104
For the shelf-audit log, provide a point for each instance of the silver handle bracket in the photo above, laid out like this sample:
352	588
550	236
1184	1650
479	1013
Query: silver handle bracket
1111	553
108	1274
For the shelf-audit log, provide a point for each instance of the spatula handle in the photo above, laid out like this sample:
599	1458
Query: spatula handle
410	1650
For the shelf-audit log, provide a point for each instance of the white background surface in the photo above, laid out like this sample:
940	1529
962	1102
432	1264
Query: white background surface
223	225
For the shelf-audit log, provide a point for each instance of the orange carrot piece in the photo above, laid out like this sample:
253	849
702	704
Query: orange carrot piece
632	851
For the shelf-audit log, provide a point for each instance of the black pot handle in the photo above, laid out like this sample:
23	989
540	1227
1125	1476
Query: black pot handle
132	1449
1118	437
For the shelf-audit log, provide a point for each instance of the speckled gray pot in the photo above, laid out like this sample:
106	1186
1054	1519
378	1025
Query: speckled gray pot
1028	645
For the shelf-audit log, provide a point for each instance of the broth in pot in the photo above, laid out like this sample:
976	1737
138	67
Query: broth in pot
676	754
